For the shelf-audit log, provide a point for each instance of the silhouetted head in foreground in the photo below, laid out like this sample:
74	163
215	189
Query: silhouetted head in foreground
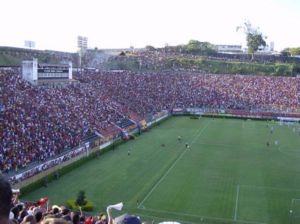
5	200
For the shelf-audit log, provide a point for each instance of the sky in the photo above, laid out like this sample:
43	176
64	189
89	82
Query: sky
55	24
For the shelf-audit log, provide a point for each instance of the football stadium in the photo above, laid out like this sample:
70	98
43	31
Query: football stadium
181	134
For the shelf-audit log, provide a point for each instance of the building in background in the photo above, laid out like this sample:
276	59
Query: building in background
236	49
229	49
268	49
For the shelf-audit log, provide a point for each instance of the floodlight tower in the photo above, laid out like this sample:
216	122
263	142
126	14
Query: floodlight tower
82	43
29	44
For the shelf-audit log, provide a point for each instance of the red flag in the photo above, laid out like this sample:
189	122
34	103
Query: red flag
42	201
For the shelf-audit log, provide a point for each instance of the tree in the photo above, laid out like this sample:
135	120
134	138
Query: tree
197	47
286	52
290	51
254	37
295	51
254	41
150	48
81	198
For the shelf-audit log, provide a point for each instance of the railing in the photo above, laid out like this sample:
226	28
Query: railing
85	149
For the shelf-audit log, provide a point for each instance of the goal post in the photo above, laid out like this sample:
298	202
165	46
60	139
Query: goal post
294	212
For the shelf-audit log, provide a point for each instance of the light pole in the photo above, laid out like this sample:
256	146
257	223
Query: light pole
82	43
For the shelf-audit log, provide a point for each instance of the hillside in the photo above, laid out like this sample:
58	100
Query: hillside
10	56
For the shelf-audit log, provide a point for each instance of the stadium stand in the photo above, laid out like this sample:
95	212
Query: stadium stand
124	123
38	123
159	54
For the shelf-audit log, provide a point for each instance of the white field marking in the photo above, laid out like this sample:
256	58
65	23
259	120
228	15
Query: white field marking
236	202
141	207
202	217
269	187
293	202
289	153
197	135
155	217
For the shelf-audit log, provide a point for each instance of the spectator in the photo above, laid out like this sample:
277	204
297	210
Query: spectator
5	200
124	219
42	122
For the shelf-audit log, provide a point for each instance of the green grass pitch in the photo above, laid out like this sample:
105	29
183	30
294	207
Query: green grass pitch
229	174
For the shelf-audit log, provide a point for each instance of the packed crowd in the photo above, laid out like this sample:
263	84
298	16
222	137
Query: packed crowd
152	92
15	211
40	122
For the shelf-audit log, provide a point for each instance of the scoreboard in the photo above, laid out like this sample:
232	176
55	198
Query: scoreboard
41	73
53	72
